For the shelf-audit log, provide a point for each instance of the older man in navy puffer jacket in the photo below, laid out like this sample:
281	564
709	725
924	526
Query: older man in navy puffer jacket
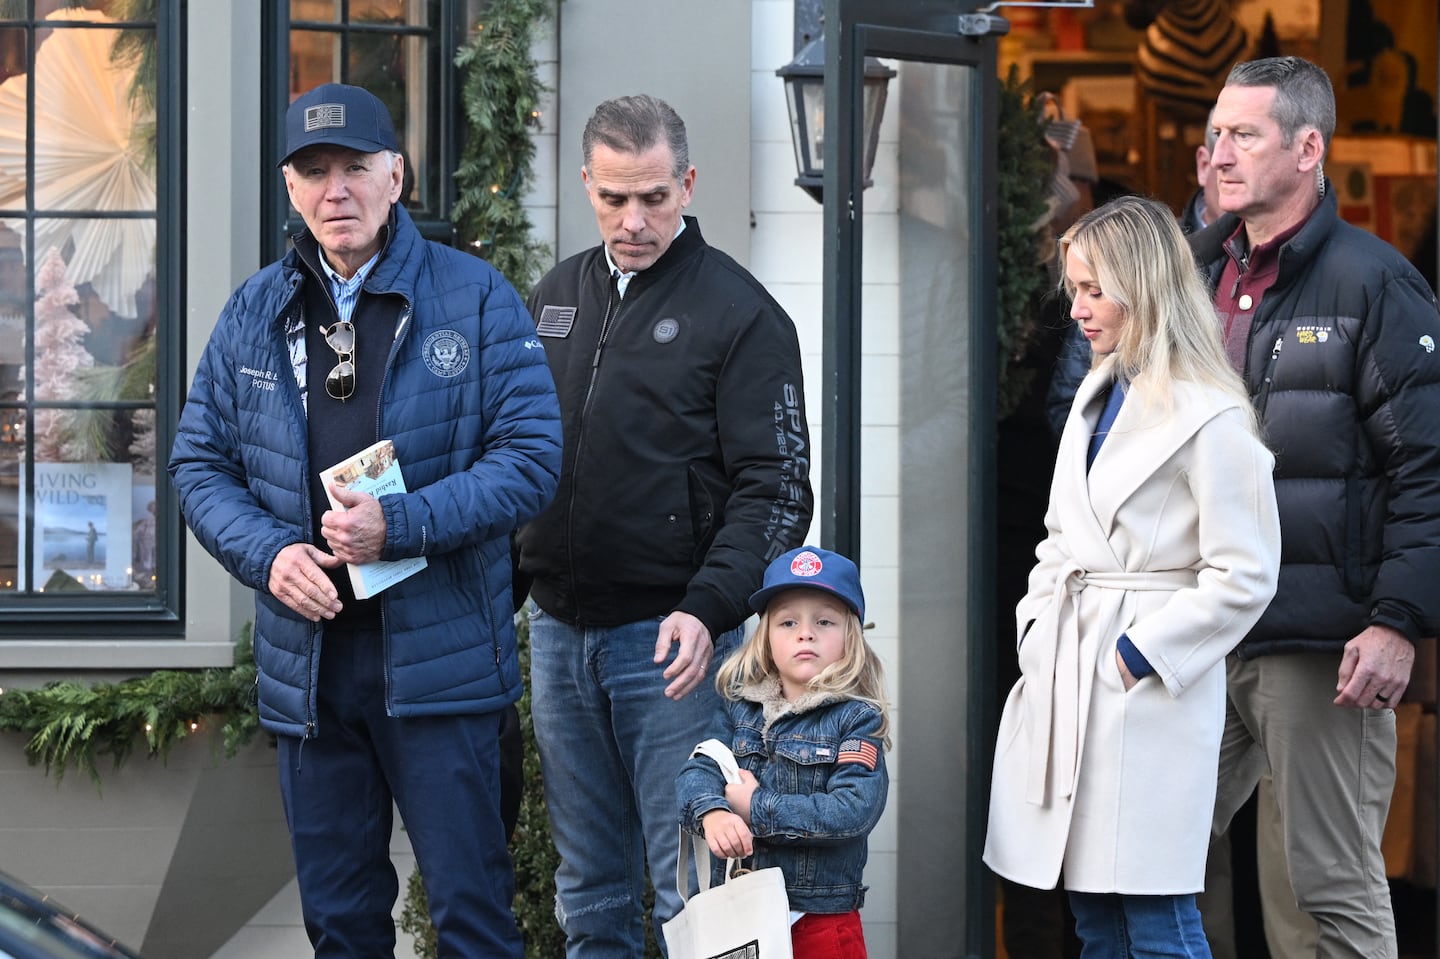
366	331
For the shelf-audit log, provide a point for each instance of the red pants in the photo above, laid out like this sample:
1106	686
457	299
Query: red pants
818	936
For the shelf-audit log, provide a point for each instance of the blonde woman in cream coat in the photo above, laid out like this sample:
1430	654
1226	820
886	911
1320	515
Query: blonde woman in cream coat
1162	550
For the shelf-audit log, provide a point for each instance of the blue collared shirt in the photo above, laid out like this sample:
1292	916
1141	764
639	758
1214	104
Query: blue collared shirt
347	292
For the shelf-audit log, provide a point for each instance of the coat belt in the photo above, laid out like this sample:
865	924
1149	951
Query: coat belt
1055	690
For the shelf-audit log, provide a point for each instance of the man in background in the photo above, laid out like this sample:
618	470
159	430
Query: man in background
1204	207
1334	333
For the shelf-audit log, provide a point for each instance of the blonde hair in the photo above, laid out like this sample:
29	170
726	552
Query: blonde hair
858	673
1171	331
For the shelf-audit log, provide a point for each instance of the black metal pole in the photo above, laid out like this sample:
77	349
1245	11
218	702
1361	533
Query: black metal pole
840	360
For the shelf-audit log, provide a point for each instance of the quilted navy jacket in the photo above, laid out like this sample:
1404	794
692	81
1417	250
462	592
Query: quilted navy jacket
477	434
1343	370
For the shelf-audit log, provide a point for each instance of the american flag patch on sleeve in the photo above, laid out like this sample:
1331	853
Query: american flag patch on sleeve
860	751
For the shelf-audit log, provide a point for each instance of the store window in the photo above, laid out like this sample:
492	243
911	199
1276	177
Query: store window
399	50
88	309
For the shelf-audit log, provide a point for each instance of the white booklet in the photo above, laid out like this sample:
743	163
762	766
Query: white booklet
376	471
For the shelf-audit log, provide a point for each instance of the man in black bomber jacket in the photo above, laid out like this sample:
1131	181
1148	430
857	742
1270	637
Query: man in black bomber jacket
1335	335
685	471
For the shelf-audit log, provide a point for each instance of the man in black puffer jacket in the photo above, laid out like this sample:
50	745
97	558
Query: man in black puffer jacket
1335	334
685	471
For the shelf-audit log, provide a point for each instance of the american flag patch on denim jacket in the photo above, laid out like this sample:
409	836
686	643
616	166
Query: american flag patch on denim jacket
858	750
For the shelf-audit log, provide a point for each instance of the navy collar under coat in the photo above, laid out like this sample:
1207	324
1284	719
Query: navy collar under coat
1143	436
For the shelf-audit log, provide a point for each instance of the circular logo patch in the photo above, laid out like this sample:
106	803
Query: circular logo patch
446	353
806	564
666	330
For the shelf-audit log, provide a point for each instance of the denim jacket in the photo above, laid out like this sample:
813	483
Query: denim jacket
820	764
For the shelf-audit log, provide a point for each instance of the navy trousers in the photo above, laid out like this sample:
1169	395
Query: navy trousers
441	772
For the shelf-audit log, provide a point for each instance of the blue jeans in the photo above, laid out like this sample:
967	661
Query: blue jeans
610	748
1115	926
443	772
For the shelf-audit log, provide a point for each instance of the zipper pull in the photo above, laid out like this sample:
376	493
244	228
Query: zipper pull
612	307
1274	356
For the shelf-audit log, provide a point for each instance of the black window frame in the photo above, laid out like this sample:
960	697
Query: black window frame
446	36
126	614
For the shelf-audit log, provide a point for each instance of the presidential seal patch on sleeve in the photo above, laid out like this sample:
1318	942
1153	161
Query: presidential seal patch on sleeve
555	321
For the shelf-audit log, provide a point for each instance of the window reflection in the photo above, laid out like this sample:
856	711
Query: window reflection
389	48
78	313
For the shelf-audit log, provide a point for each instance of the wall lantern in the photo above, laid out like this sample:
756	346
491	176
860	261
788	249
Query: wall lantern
805	95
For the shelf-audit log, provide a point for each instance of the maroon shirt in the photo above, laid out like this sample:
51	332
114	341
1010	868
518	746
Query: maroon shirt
1247	275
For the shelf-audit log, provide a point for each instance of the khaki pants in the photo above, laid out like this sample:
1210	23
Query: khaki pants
1289	932
1333	770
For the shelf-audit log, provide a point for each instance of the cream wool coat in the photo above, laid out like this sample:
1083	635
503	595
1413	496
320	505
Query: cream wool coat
1172	538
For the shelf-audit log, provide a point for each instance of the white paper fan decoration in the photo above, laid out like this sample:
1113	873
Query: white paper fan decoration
90	154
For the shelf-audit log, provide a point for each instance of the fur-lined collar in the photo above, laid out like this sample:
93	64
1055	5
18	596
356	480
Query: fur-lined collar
770	697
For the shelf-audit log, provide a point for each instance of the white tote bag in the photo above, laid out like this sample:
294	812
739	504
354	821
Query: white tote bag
746	917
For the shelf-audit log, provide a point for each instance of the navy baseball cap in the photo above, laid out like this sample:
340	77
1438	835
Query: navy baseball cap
810	567
335	114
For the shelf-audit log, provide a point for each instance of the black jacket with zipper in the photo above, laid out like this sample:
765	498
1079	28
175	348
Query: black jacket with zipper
686	451
1342	367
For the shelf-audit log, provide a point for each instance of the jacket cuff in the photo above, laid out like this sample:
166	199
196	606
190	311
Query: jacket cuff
699	808
710	610
1389	613
1135	661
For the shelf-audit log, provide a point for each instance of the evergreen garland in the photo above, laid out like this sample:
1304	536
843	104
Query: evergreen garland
73	724
500	92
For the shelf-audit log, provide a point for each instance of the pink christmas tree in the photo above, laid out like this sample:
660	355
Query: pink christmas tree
59	352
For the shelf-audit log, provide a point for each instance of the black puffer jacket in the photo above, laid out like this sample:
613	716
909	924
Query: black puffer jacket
686	451
1343	369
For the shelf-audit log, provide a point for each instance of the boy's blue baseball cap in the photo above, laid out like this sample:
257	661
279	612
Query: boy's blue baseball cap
336	114
811	567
